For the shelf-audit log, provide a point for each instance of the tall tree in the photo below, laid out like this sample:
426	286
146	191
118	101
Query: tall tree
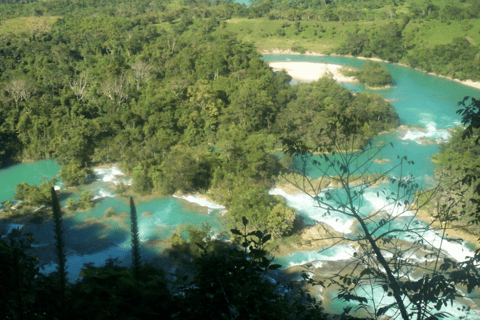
20	89
60	251
135	240
386	241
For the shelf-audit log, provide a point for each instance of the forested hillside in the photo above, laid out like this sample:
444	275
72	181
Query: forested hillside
177	94
180	104
434	36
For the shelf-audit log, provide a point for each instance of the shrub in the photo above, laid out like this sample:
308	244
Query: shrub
299	49
74	175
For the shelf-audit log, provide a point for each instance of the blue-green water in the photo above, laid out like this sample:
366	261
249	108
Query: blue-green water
30	172
90	235
245	2
420	99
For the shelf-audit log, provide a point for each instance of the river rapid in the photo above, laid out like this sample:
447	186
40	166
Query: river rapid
427	108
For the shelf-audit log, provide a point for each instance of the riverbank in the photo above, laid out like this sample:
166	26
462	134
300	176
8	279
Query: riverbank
453	231
470	83
310	71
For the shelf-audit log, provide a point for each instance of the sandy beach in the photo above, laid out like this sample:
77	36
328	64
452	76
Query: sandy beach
309	71
470	83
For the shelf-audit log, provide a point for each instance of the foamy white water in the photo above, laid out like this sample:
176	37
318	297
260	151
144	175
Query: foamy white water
431	132
340	252
112	174
456	250
382	299
308	207
380	204
102	193
202	202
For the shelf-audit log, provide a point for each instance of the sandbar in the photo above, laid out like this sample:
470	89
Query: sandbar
312	71
468	82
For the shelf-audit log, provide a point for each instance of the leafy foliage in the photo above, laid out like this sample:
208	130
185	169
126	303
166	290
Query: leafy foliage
235	285
387	43
190	242
262	210
373	74
456	59
225	283
74	175
35	195
381	259
85	201
19	270
311	117
136	258
457	167
182	106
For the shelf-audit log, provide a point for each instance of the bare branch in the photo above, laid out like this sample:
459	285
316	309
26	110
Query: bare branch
19	90
116	89
141	69
79	85
390	238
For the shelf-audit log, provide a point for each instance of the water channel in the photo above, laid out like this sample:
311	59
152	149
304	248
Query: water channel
427	102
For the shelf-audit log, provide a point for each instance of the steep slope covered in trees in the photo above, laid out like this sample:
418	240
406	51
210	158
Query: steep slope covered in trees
181	107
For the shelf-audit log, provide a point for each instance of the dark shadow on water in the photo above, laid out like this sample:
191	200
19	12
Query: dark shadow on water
301	222
91	238
9	163
64	195
90	181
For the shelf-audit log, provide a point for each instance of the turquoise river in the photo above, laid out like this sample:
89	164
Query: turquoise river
424	101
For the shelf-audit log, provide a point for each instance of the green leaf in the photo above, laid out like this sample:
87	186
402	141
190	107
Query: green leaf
382	310
236	232
366	272
265	262
256	252
244	221
266	238
259	234
274	266
348	297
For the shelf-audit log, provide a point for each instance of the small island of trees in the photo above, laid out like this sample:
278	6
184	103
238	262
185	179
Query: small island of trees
169	92
373	75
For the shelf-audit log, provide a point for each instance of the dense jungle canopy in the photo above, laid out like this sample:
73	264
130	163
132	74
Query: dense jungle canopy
148	90
173	92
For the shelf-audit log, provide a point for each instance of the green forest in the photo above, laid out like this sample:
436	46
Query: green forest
434	36
373	75
176	92
182	107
